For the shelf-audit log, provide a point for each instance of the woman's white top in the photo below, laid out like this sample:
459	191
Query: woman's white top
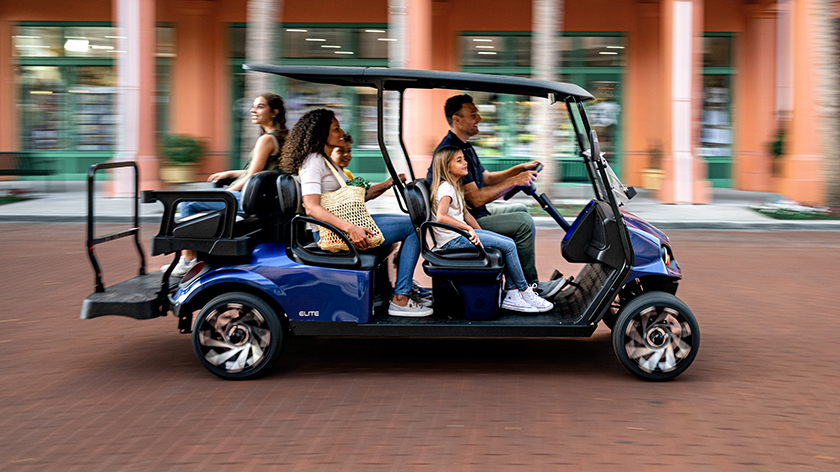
443	236
315	177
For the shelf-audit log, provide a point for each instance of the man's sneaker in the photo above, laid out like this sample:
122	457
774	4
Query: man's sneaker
411	309
415	286
181	268
540	304
514	302
420	299
550	288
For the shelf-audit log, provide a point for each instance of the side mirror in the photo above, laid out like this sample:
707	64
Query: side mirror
594	146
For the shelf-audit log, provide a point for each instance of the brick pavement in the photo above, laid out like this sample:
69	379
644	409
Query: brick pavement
118	394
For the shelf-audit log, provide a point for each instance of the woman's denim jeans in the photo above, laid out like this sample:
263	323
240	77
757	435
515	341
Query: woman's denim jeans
399	228
513	270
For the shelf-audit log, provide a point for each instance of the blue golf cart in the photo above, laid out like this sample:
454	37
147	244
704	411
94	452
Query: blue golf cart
262	279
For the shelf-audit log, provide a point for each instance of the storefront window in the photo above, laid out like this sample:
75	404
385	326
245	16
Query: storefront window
594	62
717	51
355	108
483	50
60	41
716	126
70	106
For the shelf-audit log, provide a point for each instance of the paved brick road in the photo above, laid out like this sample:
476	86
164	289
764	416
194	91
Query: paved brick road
118	394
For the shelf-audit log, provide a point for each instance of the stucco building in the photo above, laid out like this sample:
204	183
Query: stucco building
698	89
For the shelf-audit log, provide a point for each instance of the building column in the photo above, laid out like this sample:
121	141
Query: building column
195	77
9	118
135	64
756	110
411	26
802	171
682	41
642	115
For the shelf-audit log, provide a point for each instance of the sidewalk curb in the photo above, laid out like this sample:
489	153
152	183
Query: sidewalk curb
544	222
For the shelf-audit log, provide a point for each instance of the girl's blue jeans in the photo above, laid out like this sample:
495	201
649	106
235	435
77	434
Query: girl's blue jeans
513	270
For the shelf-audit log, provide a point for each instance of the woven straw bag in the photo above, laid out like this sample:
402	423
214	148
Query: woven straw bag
347	203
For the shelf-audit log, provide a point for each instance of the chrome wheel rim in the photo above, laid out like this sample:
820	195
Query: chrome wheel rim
658	339
234	337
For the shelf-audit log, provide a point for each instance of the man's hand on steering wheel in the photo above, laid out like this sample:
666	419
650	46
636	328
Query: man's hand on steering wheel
530	165
525	180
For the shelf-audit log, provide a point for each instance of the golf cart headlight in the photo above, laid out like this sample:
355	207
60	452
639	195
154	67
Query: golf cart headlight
665	252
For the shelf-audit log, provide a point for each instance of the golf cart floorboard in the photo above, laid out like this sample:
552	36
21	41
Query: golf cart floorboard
506	325
135	298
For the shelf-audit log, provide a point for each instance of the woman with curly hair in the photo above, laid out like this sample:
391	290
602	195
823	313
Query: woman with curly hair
269	112
306	152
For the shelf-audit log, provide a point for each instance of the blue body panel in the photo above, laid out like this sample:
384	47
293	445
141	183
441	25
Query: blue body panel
646	240
310	293
305	292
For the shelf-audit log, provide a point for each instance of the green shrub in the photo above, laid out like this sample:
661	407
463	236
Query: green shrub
182	149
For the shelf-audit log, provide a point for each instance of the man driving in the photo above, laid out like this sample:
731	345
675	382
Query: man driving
482	187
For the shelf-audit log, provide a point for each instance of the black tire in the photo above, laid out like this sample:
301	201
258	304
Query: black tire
237	336
656	337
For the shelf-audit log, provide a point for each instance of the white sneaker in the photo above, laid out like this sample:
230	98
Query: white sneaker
514	302
181	268
539	303
412	310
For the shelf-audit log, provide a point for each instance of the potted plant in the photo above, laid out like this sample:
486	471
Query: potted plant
776	148
181	152
652	175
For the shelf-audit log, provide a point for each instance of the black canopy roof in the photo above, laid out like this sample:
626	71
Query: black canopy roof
402	79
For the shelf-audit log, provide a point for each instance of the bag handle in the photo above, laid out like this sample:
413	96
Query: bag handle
335	172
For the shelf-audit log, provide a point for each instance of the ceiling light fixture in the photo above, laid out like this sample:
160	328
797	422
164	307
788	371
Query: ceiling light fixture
78	45
294	30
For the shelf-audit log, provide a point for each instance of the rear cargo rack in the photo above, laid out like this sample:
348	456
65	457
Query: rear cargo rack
134	231
141	297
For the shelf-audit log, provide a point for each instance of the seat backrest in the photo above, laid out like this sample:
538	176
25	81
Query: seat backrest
288	196
417	200
259	194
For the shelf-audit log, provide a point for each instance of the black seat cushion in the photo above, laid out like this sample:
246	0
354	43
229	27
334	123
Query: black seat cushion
369	259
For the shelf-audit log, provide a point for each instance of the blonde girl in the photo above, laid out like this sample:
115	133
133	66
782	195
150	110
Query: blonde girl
448	205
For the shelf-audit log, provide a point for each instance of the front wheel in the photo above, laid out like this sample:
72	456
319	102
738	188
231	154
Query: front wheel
237	336
656	337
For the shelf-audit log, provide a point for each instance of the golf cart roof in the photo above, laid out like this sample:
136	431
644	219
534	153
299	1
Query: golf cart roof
402	79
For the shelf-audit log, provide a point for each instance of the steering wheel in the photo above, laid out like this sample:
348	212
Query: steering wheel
528	189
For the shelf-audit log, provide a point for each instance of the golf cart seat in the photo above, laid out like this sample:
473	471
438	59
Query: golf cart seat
302	247
476	259
469	278
219	232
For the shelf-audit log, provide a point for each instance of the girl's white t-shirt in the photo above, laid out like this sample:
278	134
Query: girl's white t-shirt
316	178
443	236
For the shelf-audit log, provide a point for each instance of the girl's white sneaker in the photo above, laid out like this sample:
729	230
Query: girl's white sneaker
540	304
515	302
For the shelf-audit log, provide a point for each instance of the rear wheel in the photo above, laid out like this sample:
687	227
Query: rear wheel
656	336
237	336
